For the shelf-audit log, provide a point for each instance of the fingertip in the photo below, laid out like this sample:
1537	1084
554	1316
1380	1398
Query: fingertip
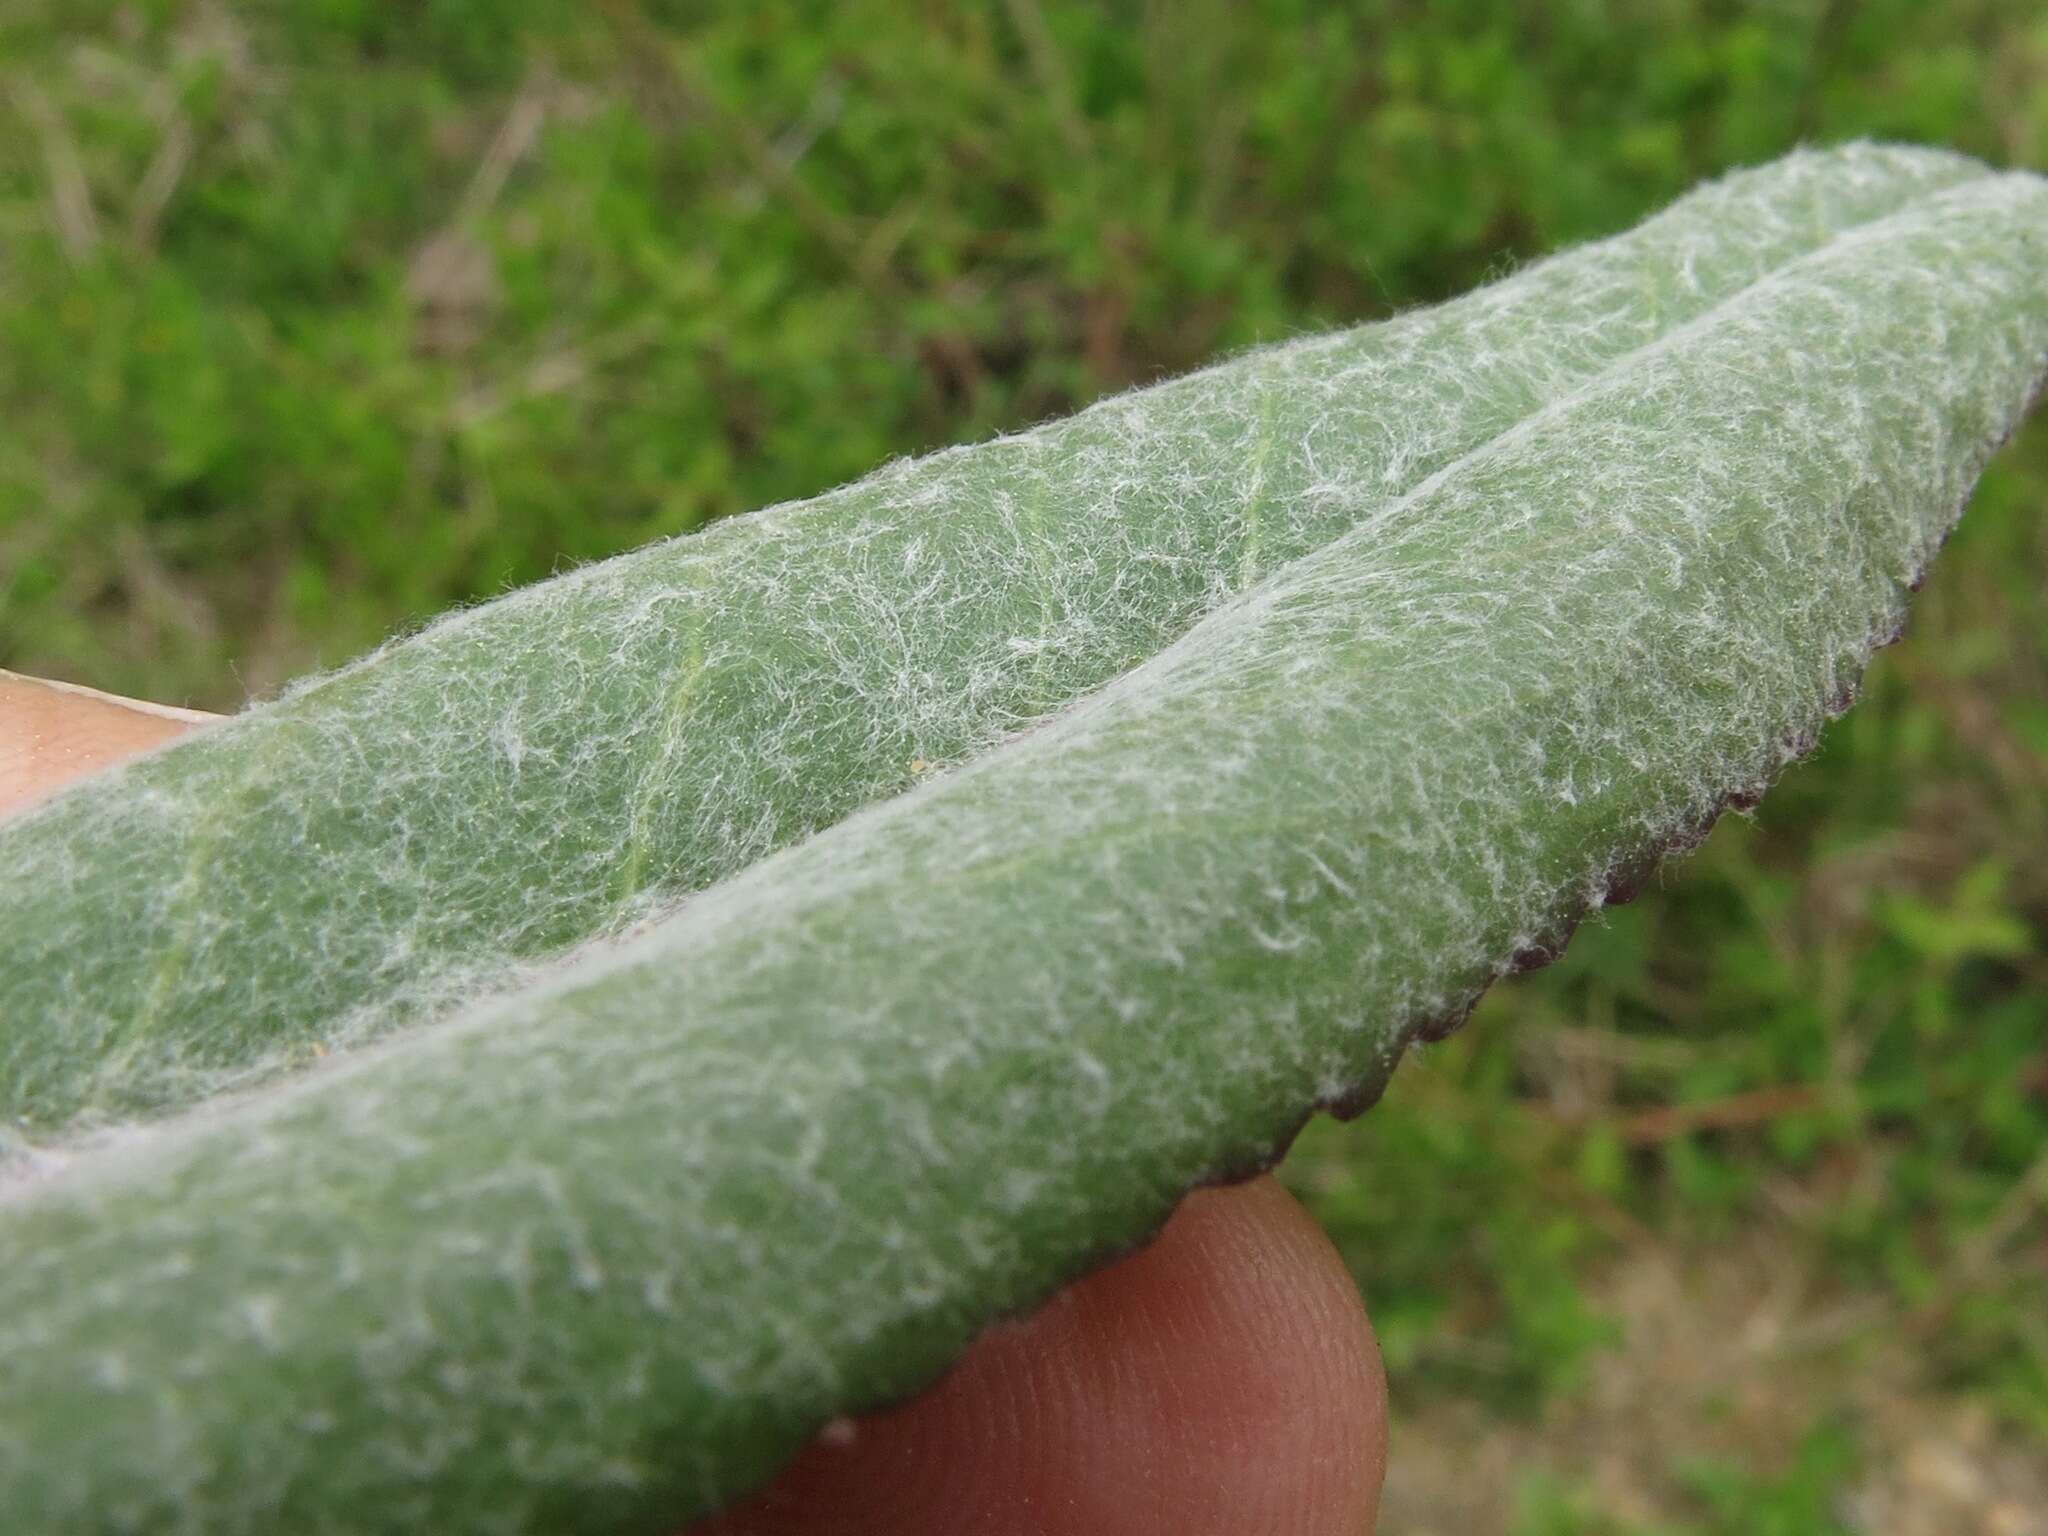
52	733
1222	1380
1290	1374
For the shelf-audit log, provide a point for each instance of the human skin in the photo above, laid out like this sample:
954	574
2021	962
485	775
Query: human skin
1221	1381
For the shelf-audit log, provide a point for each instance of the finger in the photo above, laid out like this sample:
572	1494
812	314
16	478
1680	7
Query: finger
1222	1380
52	733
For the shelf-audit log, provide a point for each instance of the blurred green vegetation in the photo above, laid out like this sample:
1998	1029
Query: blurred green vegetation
316	318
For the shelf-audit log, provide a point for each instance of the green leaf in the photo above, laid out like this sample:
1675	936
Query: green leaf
1338	681
543	770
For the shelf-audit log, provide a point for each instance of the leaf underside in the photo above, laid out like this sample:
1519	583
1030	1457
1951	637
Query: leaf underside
736	1067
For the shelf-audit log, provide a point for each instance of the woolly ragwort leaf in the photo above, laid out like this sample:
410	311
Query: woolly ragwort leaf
1283	708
